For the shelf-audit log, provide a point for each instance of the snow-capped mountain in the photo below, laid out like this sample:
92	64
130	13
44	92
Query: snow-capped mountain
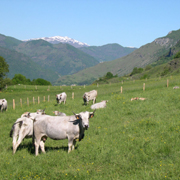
60	39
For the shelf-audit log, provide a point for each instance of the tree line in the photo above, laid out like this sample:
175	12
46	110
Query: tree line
18	78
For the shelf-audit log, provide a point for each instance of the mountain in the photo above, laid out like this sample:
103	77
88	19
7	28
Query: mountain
107	52
60	39
8	42
63	59
22	64
141	57
57	59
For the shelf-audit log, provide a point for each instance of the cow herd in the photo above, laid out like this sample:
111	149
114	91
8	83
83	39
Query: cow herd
40	126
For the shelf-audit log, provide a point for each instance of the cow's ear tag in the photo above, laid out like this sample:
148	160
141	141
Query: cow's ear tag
77	117
92	115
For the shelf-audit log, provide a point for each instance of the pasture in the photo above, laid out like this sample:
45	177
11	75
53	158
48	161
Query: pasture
126	140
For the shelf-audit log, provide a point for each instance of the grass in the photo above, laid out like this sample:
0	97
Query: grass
126	140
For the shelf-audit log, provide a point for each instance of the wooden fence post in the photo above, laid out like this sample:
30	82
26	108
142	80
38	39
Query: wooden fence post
72	95
121	89
21	102
28	101
14	104
97	84
48	98
144	87
38	100
84	85
44	98
167	82
33	101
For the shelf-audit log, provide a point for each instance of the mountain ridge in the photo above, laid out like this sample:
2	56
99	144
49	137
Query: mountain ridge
61	39
141	57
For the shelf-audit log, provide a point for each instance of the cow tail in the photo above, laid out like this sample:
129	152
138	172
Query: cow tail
13	127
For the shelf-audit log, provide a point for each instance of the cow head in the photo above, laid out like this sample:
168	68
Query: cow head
85	97
84	117
41	111
1	102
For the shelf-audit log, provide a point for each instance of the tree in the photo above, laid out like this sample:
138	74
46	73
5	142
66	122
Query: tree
136	71
40	81
109	75
4	68
19	79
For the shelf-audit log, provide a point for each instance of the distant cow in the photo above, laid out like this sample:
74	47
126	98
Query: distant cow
142	99
88	96
60	127
176	87
23	128
57	113
101	104
136	98
61	97
3	105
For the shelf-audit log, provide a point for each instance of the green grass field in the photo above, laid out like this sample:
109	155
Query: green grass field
130	140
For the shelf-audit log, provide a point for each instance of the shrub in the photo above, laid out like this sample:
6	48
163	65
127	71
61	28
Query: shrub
136	71
177	55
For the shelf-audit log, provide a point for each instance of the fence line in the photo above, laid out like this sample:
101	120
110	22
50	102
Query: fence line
127	87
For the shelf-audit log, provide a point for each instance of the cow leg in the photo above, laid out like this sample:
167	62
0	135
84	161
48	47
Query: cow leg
70	144
15	135
74	143
37	143
22	135
42	146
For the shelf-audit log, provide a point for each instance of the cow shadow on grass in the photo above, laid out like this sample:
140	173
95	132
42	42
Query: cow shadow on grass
31	148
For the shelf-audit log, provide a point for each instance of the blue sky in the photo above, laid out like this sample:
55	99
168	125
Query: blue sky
95	22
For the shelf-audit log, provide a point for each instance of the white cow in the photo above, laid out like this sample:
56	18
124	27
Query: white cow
91	95
60	127
57	113
61	97
3	105
22	128
101	104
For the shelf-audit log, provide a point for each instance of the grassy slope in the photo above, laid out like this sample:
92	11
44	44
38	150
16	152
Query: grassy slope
146	54
127	140
139	58
107	52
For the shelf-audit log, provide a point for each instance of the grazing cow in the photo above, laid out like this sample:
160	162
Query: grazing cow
3	105
142	99
57	113
60	127
101	104
61	97
136	98
176	87
22	128
91	95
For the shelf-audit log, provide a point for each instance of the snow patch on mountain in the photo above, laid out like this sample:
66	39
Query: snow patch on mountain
60	39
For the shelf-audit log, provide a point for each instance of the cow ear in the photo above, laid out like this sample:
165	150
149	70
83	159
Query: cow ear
91	115
28	115
77	116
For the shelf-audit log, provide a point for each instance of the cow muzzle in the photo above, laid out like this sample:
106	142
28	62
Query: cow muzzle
86	127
